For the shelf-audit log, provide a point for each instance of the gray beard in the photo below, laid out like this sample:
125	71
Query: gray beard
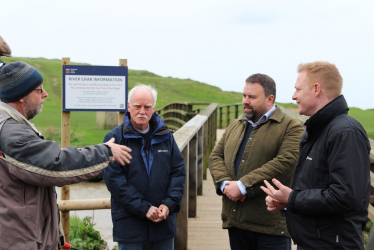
248	115
31	113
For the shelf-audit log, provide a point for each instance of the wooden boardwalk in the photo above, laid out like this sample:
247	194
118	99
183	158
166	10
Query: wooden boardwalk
205	231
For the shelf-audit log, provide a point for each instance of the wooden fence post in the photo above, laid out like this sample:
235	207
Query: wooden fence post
227	115
122	63
193	179
220	117
200	159
65	142
181	240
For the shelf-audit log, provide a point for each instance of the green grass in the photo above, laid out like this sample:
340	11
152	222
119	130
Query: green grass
83	124
366	118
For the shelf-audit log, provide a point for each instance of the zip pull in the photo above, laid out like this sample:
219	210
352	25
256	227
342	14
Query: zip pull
147	154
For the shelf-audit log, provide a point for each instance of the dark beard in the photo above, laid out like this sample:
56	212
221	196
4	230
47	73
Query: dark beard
250	115
31	109
31	113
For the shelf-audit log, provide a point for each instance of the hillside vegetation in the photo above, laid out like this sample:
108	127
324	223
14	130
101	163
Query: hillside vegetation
83	124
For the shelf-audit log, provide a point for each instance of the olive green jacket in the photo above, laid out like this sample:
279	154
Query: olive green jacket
271	152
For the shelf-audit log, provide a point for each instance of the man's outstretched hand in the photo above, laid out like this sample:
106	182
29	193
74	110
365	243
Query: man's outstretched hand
121	153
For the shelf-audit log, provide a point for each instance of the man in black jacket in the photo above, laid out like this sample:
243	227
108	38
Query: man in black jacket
146	194
327	203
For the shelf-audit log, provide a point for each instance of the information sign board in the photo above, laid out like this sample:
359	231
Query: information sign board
94	88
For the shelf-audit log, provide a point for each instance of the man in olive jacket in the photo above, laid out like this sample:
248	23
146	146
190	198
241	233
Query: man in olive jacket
261	145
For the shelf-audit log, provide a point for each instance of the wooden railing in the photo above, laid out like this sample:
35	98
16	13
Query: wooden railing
176	114
232	112
195	139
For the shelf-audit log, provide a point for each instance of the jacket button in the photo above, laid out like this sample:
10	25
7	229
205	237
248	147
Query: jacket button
234	210
282	232
250	138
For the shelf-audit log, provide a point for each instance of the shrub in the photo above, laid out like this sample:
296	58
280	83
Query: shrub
83	235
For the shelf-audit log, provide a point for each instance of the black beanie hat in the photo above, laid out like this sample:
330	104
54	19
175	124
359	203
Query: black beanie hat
17	80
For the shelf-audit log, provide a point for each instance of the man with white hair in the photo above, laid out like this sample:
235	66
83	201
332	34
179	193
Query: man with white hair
146	193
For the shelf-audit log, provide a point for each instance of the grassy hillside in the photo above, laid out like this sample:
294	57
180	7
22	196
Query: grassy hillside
83	124
366	118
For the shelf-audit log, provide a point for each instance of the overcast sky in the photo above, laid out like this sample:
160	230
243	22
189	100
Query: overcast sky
216	42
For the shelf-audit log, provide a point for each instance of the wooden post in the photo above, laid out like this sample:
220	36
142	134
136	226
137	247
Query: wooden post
192	183
220	117
214	136
123	63
236	111
65	142
181	240
200	156
227	116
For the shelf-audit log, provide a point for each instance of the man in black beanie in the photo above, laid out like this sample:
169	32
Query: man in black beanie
31	167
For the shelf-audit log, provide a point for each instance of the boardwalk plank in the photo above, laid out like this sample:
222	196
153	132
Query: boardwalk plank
205	231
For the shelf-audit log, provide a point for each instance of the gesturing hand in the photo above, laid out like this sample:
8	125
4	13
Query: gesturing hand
281	195
121	153
273	204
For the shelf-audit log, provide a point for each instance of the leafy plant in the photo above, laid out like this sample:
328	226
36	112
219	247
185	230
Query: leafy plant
367	228
83	235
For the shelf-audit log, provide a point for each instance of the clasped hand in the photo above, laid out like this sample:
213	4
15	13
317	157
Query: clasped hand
232	191
157	214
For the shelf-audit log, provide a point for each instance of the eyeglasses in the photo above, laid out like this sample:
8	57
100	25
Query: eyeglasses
41	90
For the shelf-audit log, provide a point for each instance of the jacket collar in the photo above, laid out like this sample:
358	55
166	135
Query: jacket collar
10	112
326	114
157	124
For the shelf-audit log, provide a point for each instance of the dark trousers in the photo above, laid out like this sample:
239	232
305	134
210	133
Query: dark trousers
247	240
